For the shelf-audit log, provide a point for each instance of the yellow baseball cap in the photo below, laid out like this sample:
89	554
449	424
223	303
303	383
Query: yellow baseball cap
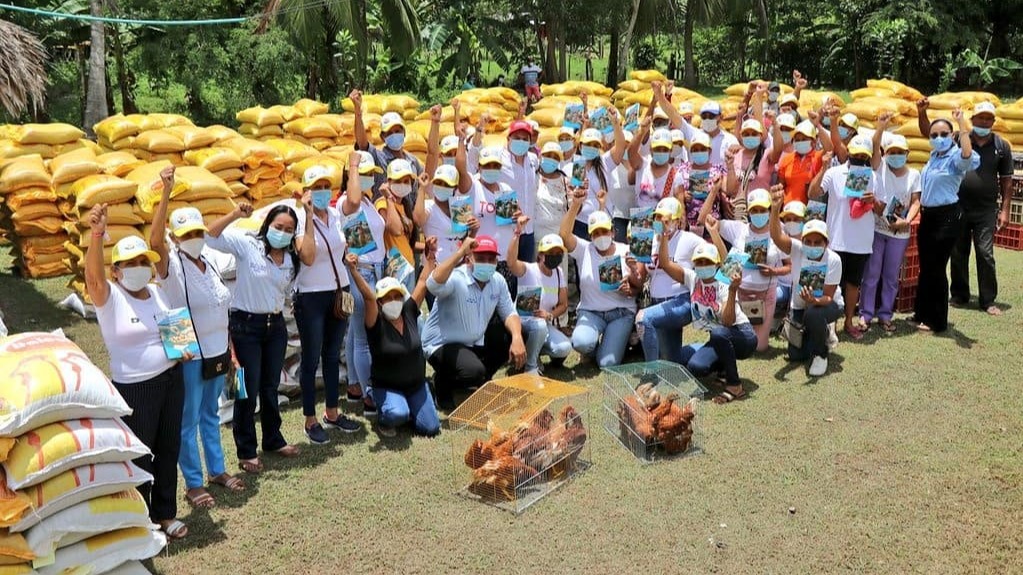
787	121
448	143
366	163
794	208
490	155
185	220
806	128
399	169
389	284
789	98
706	251
661	138
550	242
552	148
815	227
598	220
758	198
447	174
591	135
861	145
130	248
670	208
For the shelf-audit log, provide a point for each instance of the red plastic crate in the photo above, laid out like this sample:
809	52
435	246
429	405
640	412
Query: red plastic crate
907	296
1017	187
1010	237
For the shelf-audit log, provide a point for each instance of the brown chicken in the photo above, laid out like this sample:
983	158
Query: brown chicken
674	424
498	479
658	420
635	419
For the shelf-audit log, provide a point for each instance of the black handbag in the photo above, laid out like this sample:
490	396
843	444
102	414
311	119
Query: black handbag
212	367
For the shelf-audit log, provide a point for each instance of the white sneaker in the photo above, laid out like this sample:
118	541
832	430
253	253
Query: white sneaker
832	338
819	366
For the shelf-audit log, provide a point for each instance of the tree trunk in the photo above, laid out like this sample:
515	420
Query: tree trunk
360	16
562	52
690	78
625	45
612	58
96	98
123	82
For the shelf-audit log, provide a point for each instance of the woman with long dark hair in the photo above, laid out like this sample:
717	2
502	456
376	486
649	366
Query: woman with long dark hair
267	265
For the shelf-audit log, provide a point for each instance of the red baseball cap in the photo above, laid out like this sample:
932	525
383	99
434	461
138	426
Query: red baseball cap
485	245
520	126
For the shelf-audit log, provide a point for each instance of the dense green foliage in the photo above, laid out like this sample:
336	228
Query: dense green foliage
431	48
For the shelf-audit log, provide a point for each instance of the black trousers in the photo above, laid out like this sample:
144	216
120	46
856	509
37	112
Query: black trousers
260	342
458	366
156	408
978	230
940	228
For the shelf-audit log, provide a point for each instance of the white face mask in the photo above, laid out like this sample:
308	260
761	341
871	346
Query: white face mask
401	190
794	229
135	279
192	247
603	242
392	309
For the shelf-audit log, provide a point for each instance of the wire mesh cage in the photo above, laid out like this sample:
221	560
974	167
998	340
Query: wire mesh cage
653	409
518	439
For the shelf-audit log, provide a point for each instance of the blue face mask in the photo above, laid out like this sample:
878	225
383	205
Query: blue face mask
491	176
941	144
566	146
705	272
660	158
751	142
443	193
802	147
395	141
448	160
321	199
786	137
981	132
896	161
549	165
699	158
518	147
278	239
366	183
658	227
826	122
813	252
590	152
759	220
843	132
483	272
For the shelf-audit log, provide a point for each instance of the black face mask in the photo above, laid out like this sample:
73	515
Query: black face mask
858	162
553	261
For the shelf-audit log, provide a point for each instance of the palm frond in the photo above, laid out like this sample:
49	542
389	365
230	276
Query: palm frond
22	70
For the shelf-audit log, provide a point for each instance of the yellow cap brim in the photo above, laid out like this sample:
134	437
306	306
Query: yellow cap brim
759	205
858	150
384	292
791	213
449	181
400	175
715	260
188	229
374	169
152	256
596	227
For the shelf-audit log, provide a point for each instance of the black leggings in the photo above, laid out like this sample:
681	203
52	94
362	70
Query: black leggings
940	227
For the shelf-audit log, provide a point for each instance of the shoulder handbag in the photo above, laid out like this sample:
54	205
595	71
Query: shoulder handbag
344	303
212	367
793	332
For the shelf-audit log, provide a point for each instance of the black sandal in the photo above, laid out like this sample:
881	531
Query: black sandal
728	397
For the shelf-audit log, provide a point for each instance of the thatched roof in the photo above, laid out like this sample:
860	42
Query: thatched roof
22	69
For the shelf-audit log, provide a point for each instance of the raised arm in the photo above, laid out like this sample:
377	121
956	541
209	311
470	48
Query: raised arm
778	235
429	264
433	139
664	261
663	100
461	162
307	246
798	83
578	196
964	133
419	215
816	191
777	143
714	227
618	150
158	231
368	295
95	279
444	269
635	161
922	121
353	198
838	146
731	177
825	141
515	266
879	128
728	308
361	140
243	210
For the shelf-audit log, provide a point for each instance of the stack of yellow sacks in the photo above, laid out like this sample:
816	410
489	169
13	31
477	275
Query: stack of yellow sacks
940	106
68	498
549	112
1009	123
637	90
262	169
501	105
193	186
46	140
884	96
32	218
152	137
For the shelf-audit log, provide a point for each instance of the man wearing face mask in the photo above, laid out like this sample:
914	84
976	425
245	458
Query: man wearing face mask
466	336
710	116
983	212
519	167
843	130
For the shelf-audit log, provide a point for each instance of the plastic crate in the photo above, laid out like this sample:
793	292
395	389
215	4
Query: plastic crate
653	410
906	297
1010	237
518	439
1017	162
1017	186
1016	212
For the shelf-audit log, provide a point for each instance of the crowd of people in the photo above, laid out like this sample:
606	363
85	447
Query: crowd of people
522	254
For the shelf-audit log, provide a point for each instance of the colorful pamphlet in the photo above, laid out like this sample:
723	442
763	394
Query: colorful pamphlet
460	208
527	302
177	333
733	264
756	249
505	207
359	235
812	275
610	273
858	181
574	114
641	244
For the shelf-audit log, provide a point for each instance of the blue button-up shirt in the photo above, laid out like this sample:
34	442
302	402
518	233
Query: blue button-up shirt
463	309
942	175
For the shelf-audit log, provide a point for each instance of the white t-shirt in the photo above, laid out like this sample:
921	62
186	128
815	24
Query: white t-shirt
377	228
438	225
551	206
523	180
129	330
591	298
833	277
484	209
889	187
622	196
548	285
719	143
261	286
708	300
739	235
320	276
591	204
855	236
209	300
680	247
650	188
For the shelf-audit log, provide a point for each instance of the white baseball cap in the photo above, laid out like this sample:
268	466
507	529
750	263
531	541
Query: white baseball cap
661	138
490	155
850	120
984	108
897	142
390	120
389	284
399	169
787	121
447	174
598	220
700	137
552	148
712	107
550	242
660	114
130	247
794	208
815	227
706	251
448	143
670	208
685	108
591	135
758	198
184	220
316	173
752	124
366	163
807	128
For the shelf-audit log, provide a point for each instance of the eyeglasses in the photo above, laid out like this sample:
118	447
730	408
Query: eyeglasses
940	135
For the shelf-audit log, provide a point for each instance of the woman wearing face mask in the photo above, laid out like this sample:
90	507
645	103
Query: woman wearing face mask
606	313
699	177
678	147
941	218
843	130
799	167
567	143
753	165
598	168
849	222
267	265
190	281
669	311
765	263
551	196
897	205
542	279
818	302
792	216
715	308
383	220
399	366
151	384
656	176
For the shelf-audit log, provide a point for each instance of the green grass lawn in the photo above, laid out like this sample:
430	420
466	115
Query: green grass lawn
906	458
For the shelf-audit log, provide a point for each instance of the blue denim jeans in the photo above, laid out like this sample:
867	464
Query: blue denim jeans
722	351
542	337
815	320
783	295
398	408
321	335
356	345
603	334
201	415
662	328
260	341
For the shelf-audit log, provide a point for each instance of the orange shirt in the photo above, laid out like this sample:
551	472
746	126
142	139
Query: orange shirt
391	241
796	173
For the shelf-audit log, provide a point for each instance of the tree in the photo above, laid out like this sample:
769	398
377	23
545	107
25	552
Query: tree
22	70
96	96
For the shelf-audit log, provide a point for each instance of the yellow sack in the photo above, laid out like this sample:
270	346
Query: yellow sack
260	116
222	133
291	151
548	117
10	149
287	113
214	159
263	172
193	137
117	163
1008	126
115	233
26	196
238	188
48	244
74	165
214	206
230	174
1011	112
918	144
251	152
903	107
159	142
737	89
633	85
643	98
125	143
949	101
341	124
121	214
192	183
170	120
50	134
24	172
254	131
174	157
115	127
311	128
102	189
34	211
13	505
871	93
898	88
260	189
647	76
339	153
310	108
